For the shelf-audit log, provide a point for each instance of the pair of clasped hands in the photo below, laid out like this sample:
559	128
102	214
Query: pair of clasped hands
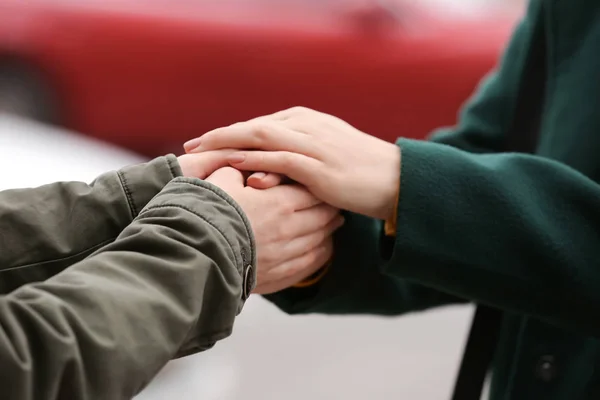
330	165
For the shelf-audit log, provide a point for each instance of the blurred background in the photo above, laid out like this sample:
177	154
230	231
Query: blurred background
92	85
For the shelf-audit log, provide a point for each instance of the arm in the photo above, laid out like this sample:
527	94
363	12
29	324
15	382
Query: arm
172	282
47	229
515	231
354	282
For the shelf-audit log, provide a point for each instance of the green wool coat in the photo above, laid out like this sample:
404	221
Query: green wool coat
518	232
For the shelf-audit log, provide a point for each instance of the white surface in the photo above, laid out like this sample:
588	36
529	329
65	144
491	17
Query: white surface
270	356
32	155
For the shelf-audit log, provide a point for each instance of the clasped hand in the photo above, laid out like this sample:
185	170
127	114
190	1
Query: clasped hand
335	165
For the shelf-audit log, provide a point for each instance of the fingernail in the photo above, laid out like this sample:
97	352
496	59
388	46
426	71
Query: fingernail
192	144
340	221
236	158
259	175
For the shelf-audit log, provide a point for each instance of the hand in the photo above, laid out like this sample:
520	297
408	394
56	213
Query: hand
335	161
202	165
292	229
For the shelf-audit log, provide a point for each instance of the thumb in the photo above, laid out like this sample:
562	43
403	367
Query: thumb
227	178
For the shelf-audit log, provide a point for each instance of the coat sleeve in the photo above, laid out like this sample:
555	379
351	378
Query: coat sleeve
172	282
518	232
357	281
46	229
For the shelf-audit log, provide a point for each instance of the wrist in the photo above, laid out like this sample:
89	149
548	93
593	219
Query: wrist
185	165
390	184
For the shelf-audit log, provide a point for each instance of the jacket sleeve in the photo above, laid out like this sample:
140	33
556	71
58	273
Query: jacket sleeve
172	282
46	229
357	281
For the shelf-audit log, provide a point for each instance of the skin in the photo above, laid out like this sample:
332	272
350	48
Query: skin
193	166
292	228
336	162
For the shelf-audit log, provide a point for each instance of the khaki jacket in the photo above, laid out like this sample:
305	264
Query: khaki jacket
102	284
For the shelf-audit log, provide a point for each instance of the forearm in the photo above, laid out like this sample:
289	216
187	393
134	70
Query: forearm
46	229
170	284
514	231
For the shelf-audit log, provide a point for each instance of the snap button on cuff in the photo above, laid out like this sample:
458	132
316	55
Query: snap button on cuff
248	283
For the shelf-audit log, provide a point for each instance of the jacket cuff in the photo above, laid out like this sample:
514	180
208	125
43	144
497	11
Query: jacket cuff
218	209
416	226
141	182
223	214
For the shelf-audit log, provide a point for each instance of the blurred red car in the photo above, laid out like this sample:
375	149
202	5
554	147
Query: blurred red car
148	75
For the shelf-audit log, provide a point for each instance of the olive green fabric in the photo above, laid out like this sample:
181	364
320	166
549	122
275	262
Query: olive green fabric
518	232
103	284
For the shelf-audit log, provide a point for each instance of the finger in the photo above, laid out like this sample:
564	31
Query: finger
298	167
204	164
227	178
298	269
282	115
301	244
308	220
263	135
261	180
295	197
191	144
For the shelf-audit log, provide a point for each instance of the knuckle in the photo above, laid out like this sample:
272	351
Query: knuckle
287	205
298	110
261	132
259	159
286	160
318	238
233	126
279	232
